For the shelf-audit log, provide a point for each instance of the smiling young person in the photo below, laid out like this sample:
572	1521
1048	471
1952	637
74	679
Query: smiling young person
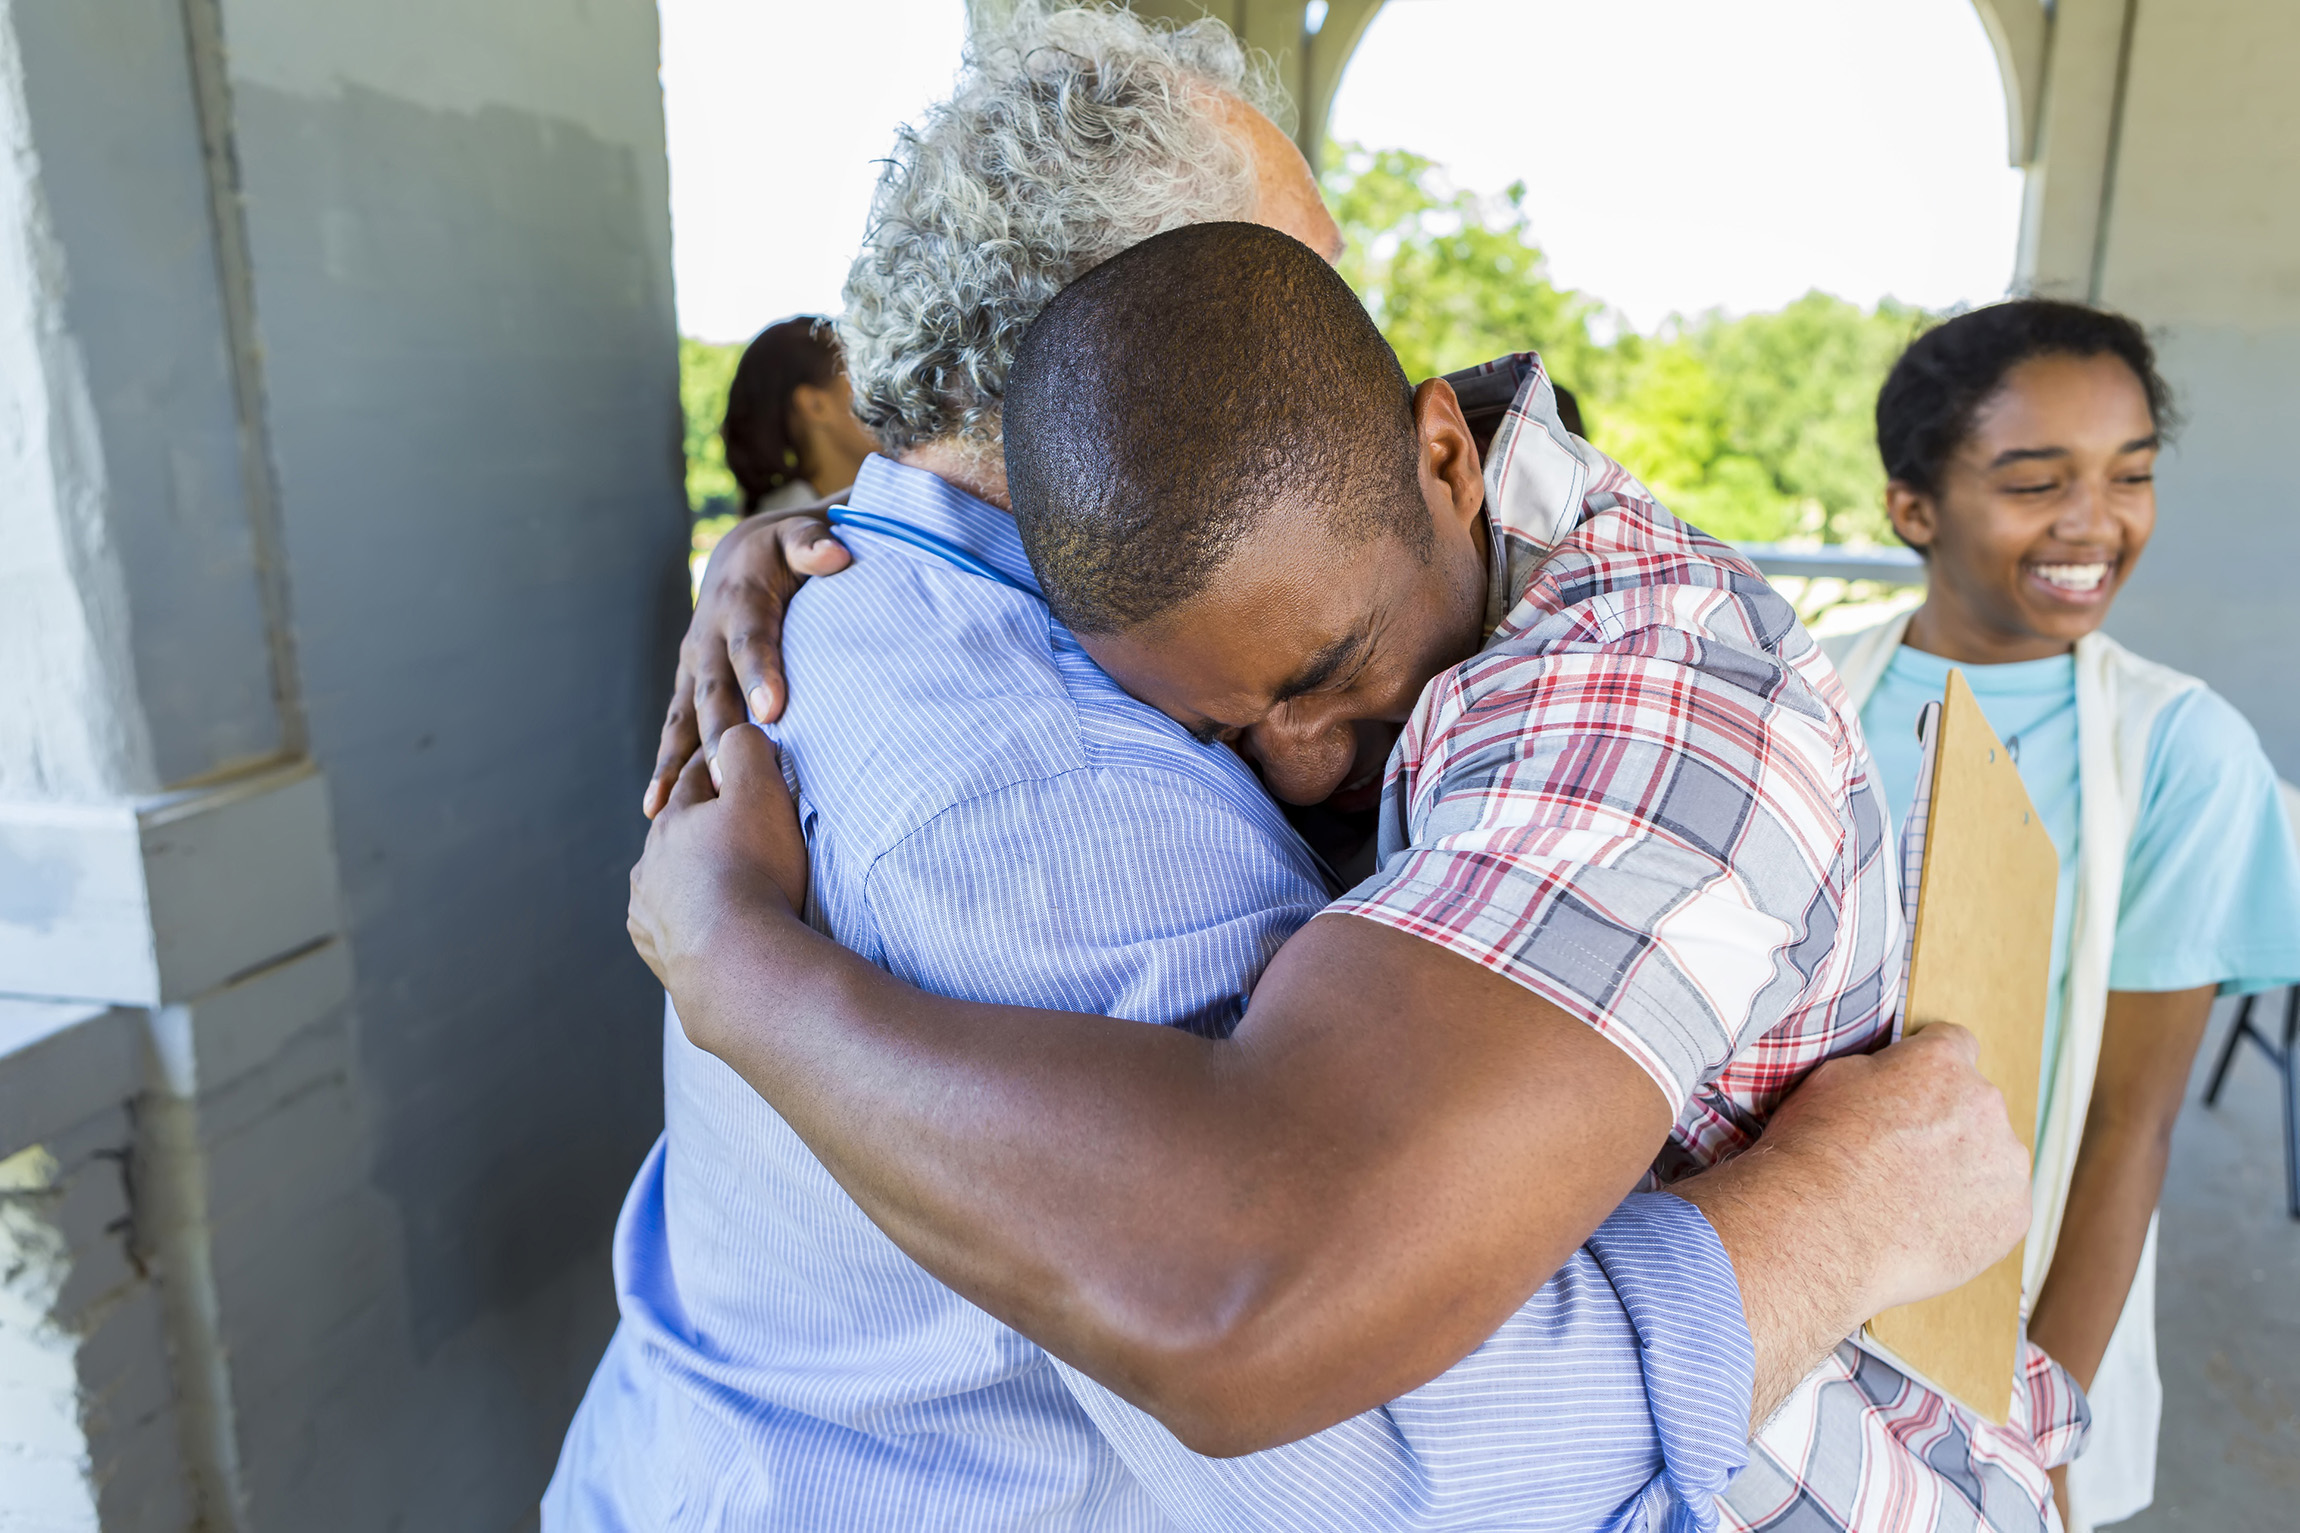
2021	443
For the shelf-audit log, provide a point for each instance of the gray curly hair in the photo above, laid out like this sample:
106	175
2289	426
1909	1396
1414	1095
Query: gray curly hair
1073	134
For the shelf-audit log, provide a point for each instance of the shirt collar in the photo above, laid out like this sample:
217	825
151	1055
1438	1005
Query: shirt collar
1540	479
945	513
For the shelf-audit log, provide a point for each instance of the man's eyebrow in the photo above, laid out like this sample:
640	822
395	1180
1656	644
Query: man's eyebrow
2148	443
1322	667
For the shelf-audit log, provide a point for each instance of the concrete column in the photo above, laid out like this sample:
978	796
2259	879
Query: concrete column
69	727
341	546
1325	54
2019	31
2072	174
135	560
158	833
2163	157
2200	230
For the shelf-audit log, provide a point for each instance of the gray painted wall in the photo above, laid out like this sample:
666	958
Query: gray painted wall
2169	187
2218	591
472	385
459	245
379	1168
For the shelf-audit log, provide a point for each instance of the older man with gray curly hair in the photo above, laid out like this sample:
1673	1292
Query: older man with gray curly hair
992	818
1074	133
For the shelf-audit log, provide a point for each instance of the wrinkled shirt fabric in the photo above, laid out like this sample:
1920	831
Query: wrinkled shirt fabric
990	817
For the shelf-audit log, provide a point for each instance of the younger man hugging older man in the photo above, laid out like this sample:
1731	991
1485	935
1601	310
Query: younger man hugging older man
1368	1249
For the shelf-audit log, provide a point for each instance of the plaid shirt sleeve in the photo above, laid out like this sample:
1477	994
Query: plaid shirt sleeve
1859	1446
1640	825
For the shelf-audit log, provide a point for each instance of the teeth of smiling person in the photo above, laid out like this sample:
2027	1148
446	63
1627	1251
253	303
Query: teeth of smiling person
2073	577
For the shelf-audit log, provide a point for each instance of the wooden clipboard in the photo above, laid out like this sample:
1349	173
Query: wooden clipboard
1980	956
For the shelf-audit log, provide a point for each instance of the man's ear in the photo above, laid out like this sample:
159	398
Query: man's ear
1452	473
1914	515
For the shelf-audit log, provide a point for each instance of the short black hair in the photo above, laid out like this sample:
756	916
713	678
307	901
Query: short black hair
1166	400
1926	408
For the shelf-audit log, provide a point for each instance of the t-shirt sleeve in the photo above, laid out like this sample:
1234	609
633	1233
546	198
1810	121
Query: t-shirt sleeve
1132	893
2212	878
1660	852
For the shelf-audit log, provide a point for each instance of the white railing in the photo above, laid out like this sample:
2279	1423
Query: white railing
1889	566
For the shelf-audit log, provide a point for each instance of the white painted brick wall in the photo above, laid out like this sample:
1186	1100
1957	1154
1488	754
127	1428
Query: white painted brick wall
88	1433
371	1216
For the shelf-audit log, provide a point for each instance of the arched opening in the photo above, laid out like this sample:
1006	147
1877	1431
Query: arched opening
1741	213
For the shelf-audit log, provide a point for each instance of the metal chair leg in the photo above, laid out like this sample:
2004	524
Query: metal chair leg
2228	1050
2287	1062
2290	1063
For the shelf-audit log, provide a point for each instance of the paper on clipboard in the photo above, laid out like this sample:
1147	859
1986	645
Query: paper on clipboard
1980	955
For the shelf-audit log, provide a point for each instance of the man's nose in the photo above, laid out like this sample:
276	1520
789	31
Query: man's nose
1303	759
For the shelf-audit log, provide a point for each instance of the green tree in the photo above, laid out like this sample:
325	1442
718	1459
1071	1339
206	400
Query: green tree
1797	392
1667	423
705	371
1756	428
1453	279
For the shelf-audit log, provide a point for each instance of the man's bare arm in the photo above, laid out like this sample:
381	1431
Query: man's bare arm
1394	1150
1256	1238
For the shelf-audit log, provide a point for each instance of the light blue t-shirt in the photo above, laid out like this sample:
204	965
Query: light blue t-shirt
2211	879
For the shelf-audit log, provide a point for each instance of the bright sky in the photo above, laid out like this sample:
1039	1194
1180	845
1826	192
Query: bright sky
775	110
1684	154
1678	154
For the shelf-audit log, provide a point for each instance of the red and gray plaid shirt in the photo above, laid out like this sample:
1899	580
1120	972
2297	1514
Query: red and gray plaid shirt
1647	800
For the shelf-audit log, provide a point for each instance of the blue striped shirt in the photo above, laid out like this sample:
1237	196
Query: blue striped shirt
990	817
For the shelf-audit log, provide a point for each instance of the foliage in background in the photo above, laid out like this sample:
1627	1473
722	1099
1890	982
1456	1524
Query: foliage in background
705	371
1757	428
1762	427
1452	278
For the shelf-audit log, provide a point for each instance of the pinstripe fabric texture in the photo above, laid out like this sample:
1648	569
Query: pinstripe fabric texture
990	817
1648	801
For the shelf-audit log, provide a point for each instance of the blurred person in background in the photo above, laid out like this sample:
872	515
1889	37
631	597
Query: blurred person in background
791	435
2020	441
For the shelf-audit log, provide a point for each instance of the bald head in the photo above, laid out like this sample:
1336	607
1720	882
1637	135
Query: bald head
1166	402
1286	196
